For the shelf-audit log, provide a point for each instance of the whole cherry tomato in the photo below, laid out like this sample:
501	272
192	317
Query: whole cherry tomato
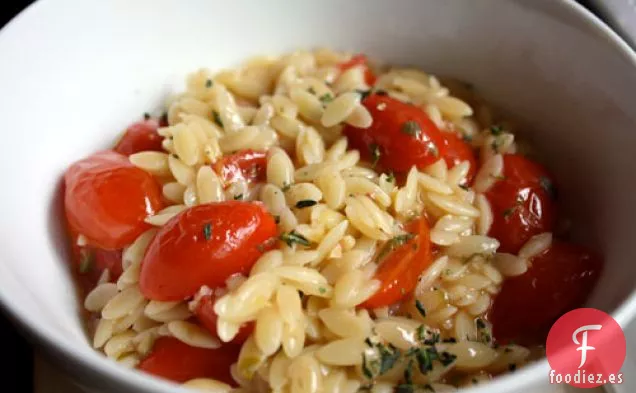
140	136
402	136
407	256
360	60
107	199
176	361
558	280
522	203
248	165
206	315
204	245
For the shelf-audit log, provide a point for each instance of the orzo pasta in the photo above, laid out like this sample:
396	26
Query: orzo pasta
309	223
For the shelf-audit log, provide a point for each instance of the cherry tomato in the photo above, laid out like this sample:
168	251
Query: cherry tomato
248	165
205	245
360	60
558	280
522	203
399	271
140	136
403	136
107	199
455	150
174	360
206	315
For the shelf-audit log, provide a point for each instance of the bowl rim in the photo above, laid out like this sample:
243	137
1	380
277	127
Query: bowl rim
97	364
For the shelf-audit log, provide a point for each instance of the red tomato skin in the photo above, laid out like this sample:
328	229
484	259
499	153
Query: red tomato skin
107	199
521	207
558	280
179	260
455	151
207	317
140	136
178	362
399	151
248	165
399	271
360	60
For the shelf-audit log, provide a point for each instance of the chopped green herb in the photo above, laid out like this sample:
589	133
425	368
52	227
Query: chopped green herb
292	238
411	128
480	323
305	203
146	116
175	156
420	308
208	83
425	357
464	187
311	90
238	197
508	212
368	342
87	257
207	231
392	244
322	290
286	187
420	333
433	340
363	94
496	130
512	367
217	119
467	138
408	372
447	358
390	177
375	153
365	367
326	98
548	186
388	357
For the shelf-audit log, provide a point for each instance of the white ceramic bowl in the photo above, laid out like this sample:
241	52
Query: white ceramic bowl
74	72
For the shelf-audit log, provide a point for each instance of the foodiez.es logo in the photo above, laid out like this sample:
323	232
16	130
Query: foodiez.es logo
586	349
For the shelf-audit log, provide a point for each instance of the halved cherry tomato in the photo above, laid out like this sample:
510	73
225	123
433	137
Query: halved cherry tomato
455	151
248	165
360	60
558	280
403	136
205	245
140	136
174	360
522	203
107	199
400	270
206	315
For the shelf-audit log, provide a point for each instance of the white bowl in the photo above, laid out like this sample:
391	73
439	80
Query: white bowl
74	72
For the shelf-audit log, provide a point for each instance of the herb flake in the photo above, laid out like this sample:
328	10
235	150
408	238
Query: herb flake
146	116
411	128
548	186
363	94
293	237
238	197
87	257
217	118
208	83
375	153
207	231
392	244
326	98
496	130
420	308
305	203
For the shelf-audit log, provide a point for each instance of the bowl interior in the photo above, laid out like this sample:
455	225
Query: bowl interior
76	72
